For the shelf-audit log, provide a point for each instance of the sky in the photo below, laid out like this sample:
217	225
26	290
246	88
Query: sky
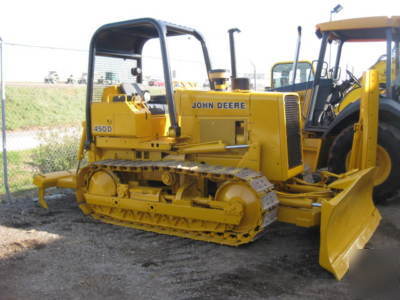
268	31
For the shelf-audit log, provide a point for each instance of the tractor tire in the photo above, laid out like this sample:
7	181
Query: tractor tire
389	140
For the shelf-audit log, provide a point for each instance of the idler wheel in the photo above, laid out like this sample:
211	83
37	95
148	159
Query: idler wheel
102	183
236	192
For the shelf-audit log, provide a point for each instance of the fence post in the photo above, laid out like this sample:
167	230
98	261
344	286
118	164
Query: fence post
3	122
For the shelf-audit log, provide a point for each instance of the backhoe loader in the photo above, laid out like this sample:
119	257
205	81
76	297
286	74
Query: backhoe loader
331	108
214	165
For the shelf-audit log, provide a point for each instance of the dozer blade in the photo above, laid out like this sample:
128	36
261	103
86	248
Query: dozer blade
347	221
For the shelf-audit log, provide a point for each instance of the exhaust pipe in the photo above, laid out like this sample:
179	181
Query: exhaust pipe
236	83
232	50
296	56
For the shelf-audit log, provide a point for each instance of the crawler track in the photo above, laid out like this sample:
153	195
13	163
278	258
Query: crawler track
211	231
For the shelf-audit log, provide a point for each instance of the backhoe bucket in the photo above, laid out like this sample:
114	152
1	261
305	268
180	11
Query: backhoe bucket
347	221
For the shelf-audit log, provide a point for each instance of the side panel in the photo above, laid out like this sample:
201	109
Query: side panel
266	115
211	116
268	127
119	119
260	120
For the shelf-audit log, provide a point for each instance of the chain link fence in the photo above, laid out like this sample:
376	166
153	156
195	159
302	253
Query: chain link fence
43	109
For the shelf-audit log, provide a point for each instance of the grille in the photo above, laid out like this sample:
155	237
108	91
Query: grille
293	131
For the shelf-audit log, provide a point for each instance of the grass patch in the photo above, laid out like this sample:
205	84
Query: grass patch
39	106
20	170
56	153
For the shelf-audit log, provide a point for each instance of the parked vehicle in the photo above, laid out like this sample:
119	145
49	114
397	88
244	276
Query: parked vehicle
156	82
83	79
52	77
70	80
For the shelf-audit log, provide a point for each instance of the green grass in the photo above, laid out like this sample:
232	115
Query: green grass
54	155
20	170
40	106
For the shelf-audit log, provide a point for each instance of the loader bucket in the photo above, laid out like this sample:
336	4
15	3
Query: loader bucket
347	221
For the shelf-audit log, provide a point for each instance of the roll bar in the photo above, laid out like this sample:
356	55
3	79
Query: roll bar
126	39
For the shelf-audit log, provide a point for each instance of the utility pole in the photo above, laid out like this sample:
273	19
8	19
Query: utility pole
254	75
334	10
3	121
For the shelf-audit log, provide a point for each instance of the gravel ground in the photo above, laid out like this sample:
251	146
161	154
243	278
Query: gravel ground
62	254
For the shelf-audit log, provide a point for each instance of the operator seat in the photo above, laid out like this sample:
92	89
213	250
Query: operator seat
128	89
156	105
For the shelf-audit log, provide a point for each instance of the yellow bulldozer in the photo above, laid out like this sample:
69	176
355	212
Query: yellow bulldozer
214	165
331	106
